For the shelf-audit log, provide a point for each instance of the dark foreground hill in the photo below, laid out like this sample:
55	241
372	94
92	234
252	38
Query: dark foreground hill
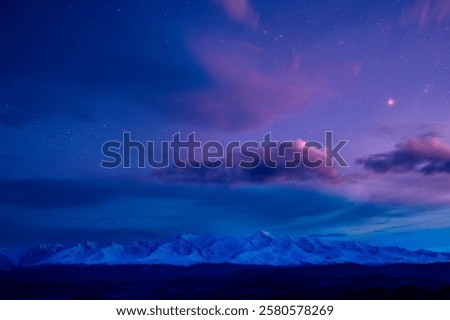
227	281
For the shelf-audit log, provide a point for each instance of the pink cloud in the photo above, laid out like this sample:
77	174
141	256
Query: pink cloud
426	155
249	89
426	13
415	172
406	188
431	147
240	11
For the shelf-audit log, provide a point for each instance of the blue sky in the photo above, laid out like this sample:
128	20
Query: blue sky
76	74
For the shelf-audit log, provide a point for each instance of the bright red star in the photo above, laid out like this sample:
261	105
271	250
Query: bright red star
390	102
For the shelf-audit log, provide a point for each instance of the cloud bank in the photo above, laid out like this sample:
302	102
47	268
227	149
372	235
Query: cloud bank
426	155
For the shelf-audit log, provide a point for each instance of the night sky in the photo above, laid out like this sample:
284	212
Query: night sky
75	74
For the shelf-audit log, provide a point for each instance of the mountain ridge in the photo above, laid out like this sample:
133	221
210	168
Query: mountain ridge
261	248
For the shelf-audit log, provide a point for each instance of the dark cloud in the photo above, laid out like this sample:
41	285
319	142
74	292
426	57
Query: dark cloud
273	204
46	193
97	206
65	193
427	155
259	172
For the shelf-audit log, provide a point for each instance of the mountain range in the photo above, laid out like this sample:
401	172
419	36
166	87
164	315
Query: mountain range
262	248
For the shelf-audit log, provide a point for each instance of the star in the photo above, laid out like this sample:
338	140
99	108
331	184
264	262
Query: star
390	102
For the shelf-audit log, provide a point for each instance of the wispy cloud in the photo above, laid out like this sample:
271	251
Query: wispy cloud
426	13
241	11
247	90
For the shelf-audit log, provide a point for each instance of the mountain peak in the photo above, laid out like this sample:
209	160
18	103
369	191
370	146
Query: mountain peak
261	239
263	234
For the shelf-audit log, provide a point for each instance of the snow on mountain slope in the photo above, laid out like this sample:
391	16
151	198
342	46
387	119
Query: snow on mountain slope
38	254
259	249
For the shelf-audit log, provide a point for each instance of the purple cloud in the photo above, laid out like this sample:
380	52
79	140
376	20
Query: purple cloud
427	155
427	12
247	90
240	11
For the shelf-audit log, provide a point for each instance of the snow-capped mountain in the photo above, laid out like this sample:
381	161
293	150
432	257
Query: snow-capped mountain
259	249
37	254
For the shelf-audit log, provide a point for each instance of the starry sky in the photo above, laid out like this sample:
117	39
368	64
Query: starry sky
75	74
